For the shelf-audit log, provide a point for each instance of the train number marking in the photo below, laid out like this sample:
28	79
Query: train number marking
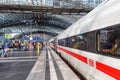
91	62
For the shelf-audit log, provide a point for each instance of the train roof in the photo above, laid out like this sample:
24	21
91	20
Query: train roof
106	14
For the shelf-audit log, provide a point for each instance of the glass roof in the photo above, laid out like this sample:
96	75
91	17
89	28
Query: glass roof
75	3
22	23
51	24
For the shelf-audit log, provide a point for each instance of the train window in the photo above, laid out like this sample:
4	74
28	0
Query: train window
61	42
82	39
74	42
79	42
67	42
108	41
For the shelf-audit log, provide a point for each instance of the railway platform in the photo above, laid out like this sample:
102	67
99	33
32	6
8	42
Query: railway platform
50	66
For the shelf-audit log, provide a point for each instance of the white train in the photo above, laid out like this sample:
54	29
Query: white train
92	44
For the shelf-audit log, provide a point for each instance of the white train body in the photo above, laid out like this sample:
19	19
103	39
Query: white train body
95	60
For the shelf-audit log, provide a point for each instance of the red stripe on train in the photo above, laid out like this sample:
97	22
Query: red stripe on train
79	57
115	73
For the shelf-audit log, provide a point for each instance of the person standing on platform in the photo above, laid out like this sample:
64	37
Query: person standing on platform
6	49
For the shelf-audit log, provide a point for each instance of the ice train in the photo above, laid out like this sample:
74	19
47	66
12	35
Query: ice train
92	44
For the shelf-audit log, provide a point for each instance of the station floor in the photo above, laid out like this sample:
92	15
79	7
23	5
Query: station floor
26	65
18	65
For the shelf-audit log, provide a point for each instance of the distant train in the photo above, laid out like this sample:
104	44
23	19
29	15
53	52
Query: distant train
92	44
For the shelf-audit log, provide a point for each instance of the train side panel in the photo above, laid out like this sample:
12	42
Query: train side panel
94	67
98	60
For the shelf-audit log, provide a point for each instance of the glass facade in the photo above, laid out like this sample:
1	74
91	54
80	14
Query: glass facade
92	3
78	3
49	2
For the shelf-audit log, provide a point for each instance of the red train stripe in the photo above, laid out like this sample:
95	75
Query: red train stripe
79	57
115	73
